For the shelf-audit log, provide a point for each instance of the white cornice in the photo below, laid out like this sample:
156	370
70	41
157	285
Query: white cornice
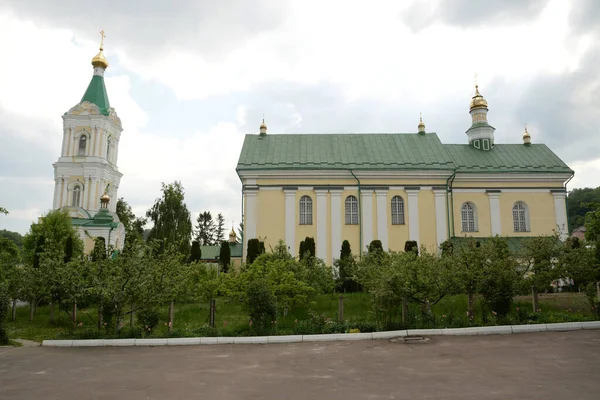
327	174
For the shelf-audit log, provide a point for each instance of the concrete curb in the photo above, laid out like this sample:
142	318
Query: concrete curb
334	337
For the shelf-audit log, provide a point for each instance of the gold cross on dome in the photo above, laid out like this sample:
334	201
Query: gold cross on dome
102	38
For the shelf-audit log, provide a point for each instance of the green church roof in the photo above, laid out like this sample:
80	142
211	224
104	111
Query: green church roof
212	252
390	152
96	94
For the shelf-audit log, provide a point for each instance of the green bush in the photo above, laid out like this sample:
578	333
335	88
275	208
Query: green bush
148	319
261	306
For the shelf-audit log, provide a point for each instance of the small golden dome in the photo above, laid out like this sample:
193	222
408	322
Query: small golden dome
105	198
421	123
478	101
263	125
99	60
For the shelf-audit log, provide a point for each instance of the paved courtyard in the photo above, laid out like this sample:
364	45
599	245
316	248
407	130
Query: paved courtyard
551	365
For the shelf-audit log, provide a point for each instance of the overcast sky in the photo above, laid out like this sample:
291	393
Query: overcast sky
190	77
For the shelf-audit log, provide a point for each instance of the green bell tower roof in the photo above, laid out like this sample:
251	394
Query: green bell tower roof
96	94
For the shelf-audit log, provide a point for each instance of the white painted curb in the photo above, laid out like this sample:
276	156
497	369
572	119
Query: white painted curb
334	337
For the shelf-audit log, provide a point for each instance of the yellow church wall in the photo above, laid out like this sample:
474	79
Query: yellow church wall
397	234
542	218
270	226
482	204
427	228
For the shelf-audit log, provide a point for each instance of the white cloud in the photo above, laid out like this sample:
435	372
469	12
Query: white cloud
587	174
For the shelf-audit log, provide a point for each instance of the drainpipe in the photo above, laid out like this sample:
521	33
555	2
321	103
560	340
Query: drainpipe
359	214
447	209
452	201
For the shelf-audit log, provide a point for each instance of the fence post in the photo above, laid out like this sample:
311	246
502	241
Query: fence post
341	308
212	312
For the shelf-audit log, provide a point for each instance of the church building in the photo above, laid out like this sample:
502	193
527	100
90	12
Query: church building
398	187
86	176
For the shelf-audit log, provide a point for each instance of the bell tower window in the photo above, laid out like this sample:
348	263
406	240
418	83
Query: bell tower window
82	143
76	196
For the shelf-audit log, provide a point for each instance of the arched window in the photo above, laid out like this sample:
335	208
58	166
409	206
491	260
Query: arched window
397	210
520	217
305	210
468	213
351	204
82	143
76	196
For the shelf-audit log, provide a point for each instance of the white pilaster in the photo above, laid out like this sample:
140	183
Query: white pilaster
250	213
290	220
56	198
64	201
322	225
495	212
367	217
88	193
413	214
336	222
63	151
560	212
440	215
382	220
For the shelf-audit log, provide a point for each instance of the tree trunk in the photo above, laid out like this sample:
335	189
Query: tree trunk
534	297
598	290
341	308
471	306
100	315
212	313
171	316
31	309
74	313
404	310
131	318
51	313
14	310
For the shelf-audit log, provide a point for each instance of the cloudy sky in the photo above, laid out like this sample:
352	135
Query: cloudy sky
190	77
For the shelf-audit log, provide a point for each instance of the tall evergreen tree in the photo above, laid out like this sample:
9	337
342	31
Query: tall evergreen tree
345	251
220	229
205	229
301	250
195	252
134	226
241	232
225	256
309	245
253	250
171	218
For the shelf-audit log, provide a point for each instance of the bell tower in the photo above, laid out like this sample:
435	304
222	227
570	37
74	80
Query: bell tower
480	134
90	149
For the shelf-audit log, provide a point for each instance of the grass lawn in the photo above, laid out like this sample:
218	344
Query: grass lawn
232	320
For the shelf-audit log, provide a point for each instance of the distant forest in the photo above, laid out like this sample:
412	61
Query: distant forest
577	205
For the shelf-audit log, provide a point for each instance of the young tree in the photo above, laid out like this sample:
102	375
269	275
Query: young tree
225	256
171	218
220	229
346	270
309	246
411	245
205	229
134	226
301	250
375	246
470	261
196	252
345	251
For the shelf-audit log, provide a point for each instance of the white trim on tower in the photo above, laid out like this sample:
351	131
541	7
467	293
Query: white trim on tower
321	224
413	214
382	220
440	215
560	212
367	216
290	220
336	221
495	213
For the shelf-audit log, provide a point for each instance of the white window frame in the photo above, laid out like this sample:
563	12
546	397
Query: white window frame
351	210
82	151
398	210
520	214
468	217
305	206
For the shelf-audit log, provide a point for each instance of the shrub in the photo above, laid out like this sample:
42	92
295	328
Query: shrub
253	250
411	245
375	245
261	305
148	319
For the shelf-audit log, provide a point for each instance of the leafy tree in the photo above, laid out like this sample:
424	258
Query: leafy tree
3	211
262	305
196	252
15	237
3	316
225	256
471	260
447	248
219	229
411	245
253	250
134	226
592	223
99	251
579	203
346	270
241	232
171	218
205	229
540	255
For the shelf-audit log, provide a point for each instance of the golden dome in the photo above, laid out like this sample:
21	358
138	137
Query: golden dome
478	101
99	60
421	123
263	125
105	198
